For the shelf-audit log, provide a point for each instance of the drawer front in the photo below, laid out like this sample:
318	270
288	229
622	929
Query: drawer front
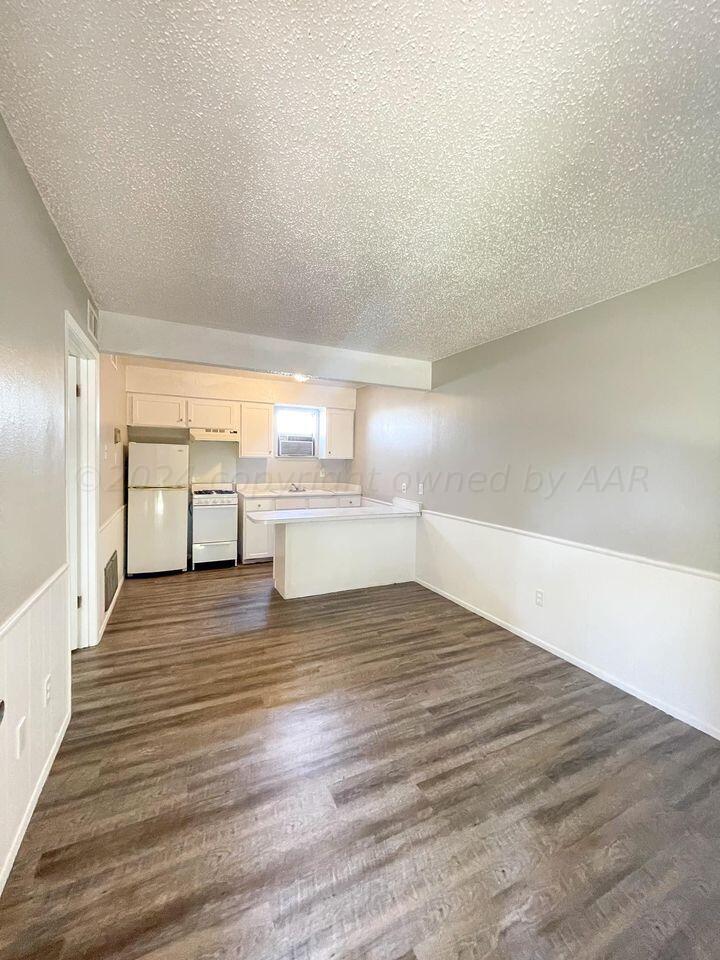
264	504
350	501
210	552
291	503
322	503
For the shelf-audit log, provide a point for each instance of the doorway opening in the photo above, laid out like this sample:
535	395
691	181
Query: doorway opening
82	483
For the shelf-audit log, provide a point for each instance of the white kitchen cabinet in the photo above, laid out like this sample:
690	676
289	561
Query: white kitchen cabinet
213	414
337	434
324	503
153	410
294	503
257	539
256	430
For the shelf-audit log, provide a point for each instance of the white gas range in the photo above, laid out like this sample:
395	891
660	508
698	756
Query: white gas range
214	525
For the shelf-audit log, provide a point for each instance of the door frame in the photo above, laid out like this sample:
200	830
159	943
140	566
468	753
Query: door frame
85	469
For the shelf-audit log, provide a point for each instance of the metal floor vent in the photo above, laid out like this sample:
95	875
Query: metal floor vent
111	579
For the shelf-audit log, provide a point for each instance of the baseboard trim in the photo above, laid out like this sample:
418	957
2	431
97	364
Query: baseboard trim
610	678
32	599
32	803
108	612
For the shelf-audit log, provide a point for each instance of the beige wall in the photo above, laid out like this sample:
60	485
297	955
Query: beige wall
615	409
38	283
113	413
219	461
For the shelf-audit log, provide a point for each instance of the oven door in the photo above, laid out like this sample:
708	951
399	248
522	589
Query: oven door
215	524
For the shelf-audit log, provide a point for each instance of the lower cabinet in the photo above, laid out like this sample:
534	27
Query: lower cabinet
293	503
257	540
324	503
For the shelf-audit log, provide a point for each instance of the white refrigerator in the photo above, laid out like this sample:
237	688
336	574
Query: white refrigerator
157	507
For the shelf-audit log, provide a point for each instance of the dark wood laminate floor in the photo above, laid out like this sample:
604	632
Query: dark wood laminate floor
376	774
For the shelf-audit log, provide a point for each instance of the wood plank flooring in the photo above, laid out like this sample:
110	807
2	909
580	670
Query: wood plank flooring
376	774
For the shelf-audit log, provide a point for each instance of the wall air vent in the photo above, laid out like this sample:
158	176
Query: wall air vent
111	579
92	320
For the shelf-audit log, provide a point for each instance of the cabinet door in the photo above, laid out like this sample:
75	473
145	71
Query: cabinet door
258	540
214	414
150	410
256	430
339	438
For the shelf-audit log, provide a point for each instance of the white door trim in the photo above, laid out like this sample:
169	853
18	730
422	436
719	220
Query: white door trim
86	470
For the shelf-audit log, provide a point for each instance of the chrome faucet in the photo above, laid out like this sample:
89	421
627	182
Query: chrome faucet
294	488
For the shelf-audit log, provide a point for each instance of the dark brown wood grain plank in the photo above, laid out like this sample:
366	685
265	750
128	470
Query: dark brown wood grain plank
372	775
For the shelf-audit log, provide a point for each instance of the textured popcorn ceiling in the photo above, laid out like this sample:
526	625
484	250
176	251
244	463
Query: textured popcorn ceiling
409	177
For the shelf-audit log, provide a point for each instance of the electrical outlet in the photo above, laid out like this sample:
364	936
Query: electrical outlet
48	688
403	487
539	597
20	738
421	489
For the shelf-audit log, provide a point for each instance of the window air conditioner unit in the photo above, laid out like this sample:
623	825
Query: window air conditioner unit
293	446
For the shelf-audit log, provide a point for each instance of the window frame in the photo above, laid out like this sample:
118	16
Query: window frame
315	411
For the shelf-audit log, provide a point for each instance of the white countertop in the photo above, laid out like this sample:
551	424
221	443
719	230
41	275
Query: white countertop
374	511
273	492
308	493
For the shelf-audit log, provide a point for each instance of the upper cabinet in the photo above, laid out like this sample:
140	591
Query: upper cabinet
256	434
153	410
214	414
253	421
337	434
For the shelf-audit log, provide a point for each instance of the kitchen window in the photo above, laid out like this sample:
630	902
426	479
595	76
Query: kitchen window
296	431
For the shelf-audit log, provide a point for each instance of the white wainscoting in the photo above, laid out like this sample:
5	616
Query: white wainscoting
650	628
33	646
111	538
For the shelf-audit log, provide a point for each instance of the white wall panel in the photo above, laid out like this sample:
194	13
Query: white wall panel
33	646
651	629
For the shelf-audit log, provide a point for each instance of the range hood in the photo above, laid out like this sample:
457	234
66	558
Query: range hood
212	434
